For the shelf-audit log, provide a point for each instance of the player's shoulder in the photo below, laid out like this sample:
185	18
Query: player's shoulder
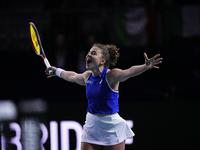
86	73
113	71
112	75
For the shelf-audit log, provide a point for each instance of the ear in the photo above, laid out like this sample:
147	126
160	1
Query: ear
103	61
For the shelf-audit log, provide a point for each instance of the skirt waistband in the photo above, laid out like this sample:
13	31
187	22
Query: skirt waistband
102	115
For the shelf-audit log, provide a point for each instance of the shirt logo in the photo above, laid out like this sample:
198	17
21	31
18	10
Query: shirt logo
89	82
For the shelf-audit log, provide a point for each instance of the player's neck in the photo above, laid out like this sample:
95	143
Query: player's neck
97	71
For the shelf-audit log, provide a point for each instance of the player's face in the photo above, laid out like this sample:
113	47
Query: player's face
94	58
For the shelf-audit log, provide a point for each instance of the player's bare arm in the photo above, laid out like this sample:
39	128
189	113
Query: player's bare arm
118	75
70	76
76	77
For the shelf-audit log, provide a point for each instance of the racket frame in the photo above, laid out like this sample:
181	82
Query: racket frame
42	54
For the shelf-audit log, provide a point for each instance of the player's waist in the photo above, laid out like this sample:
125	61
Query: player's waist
96	115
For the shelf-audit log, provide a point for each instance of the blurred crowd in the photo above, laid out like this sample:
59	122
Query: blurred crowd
69	28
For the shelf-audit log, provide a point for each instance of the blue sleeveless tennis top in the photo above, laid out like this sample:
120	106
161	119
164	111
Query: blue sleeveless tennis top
101	98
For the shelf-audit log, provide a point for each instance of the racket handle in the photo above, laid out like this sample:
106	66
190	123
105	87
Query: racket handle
48	65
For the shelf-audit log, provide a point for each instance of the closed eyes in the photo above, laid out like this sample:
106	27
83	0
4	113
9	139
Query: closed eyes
93	52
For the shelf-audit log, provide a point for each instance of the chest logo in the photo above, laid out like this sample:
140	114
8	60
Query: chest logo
89	82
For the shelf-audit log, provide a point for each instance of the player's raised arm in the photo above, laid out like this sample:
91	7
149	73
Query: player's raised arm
122	75
69	76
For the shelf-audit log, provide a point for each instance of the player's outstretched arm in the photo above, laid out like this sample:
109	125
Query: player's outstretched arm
122	75
69	76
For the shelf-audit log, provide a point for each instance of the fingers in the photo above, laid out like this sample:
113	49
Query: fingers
49	76
156	67
156	56
145	56
158	61
153	58
47	71
154	61
51	68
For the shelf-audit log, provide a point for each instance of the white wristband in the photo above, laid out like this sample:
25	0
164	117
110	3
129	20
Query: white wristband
58	72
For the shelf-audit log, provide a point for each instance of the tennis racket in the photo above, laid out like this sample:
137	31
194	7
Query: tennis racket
37	46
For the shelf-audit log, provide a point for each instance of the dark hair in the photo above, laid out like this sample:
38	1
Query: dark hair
109	52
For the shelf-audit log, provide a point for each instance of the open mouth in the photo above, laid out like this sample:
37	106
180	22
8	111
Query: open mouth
88	60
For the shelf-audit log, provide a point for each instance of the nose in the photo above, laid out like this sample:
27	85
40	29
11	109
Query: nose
88	54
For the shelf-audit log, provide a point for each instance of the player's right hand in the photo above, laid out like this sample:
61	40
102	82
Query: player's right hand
50	68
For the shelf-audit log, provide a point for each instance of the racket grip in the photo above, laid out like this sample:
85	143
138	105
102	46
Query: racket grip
48	65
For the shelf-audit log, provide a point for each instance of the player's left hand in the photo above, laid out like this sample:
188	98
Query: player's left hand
153	62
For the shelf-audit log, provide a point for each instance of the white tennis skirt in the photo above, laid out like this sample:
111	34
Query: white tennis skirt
105	129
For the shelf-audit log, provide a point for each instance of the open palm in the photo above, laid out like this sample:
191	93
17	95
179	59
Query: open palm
152	62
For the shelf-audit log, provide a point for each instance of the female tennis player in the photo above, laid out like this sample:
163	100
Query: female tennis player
104	129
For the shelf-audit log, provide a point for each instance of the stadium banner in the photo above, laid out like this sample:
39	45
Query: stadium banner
156	125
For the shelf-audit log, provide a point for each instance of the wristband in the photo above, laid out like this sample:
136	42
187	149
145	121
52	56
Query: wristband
58	72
